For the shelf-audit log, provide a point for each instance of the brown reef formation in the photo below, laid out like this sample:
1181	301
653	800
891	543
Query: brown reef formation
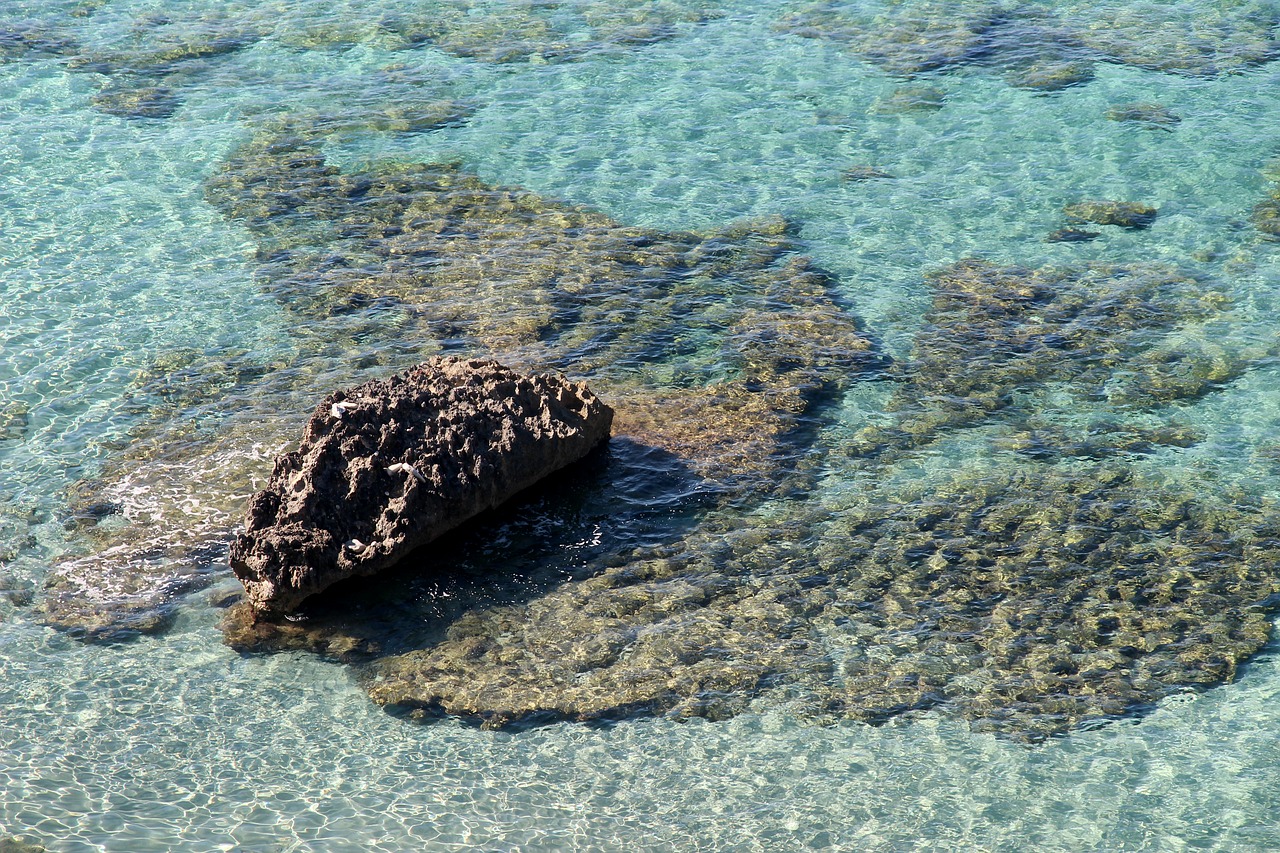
714	345
995	337
390	465
1027	600
720	347
1036	47
1266	214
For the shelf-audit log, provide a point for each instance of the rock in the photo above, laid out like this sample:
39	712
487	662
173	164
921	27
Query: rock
1072	235
390	465
1152	115
858	174
1052	76
725	347
1126	214
911	99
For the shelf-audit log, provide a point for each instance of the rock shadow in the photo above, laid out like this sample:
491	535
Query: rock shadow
624	496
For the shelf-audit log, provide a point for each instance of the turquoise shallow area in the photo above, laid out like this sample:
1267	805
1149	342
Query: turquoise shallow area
111	257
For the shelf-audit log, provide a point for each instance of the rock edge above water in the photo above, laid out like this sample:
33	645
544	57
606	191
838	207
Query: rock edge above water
388	466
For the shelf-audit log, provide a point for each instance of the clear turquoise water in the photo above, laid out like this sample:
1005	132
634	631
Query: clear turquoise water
109	256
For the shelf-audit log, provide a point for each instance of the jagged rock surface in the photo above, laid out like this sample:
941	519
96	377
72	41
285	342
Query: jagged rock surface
390	465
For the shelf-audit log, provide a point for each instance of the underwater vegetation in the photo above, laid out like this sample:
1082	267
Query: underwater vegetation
1046	47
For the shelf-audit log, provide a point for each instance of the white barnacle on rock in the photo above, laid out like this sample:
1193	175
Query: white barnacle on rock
356	546
406	468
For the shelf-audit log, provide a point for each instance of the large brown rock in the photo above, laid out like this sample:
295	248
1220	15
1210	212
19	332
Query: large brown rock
390	465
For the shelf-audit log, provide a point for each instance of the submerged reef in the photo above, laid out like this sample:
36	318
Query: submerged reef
681	330
33	40
1051	580
161	55
504	33
1152	115
1072	235
996	336
1126	214
1266	214
911	99
859	174
720	347
146	73
1040	47
1027	600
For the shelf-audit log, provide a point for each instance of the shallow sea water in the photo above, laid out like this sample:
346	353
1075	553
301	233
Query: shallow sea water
110	256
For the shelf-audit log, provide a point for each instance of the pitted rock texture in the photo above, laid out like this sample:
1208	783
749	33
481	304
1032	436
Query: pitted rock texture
390	465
